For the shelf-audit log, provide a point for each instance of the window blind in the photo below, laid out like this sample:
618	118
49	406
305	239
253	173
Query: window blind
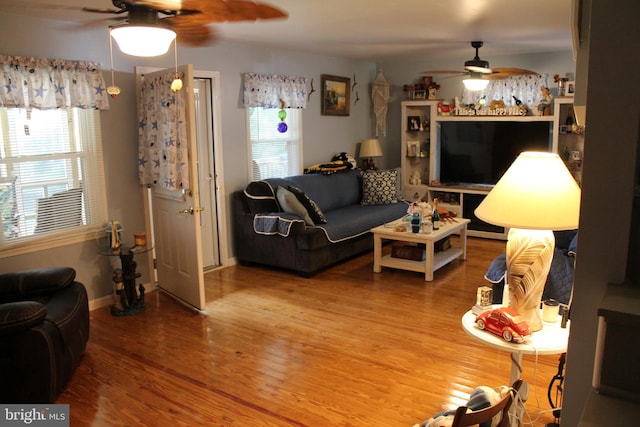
51	174
274	154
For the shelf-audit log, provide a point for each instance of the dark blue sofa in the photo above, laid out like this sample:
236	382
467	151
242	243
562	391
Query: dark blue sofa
265	234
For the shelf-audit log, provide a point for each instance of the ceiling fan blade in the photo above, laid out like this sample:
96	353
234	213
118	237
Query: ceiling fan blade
95	10
194	35
212	11
432	72
101	22
501	73
244	10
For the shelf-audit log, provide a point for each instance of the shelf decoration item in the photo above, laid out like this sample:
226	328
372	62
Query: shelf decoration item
114	234
535	196
380	97
370	148
484	298
416	222
282	115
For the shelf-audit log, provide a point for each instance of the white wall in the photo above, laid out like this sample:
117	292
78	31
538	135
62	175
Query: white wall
611	143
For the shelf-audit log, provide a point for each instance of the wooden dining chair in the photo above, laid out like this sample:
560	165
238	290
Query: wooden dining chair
463	418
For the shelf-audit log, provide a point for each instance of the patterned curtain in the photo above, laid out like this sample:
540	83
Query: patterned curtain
51	83
267	90
525	88
162	134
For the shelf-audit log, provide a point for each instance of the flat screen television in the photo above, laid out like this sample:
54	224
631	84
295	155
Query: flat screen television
480	152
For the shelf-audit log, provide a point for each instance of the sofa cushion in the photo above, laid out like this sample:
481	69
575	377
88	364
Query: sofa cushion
312	208
290	203
356	219
379	187
333	191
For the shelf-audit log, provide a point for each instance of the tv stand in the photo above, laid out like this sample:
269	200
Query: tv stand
463	199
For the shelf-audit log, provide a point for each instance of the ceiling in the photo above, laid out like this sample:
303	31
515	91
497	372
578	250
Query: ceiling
375	29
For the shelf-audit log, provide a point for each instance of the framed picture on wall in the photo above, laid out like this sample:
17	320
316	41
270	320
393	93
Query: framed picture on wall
336	95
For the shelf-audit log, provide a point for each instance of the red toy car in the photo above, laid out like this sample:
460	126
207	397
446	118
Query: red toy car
505	322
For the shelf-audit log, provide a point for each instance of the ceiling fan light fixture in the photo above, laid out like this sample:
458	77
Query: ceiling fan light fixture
143	40
474	83
477	66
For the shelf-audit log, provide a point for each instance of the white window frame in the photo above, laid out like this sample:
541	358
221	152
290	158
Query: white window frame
85	126
293	139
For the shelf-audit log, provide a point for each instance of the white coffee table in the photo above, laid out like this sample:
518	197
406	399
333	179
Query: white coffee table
433	260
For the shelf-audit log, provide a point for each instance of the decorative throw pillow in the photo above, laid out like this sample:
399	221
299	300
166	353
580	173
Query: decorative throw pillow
379	187
290	203
312	208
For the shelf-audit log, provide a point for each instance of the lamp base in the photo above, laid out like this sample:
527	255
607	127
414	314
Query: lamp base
368	164
529	254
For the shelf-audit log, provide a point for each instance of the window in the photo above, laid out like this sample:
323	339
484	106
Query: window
51	175
273	154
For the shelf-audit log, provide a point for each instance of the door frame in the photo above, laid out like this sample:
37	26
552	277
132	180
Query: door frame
216	107
218	163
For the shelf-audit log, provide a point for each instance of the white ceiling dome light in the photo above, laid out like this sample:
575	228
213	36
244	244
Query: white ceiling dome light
143	40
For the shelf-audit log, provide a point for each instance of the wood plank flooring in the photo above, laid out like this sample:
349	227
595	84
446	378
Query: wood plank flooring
347	347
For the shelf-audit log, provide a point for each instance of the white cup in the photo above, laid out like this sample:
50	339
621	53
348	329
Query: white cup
550	310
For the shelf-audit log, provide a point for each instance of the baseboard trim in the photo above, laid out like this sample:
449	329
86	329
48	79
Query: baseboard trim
107	300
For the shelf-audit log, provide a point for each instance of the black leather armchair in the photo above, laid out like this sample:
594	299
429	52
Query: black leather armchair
44	329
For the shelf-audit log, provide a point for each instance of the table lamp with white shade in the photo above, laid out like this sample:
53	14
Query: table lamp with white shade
370	148
535	196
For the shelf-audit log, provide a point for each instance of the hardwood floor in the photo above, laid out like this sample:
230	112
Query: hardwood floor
347	347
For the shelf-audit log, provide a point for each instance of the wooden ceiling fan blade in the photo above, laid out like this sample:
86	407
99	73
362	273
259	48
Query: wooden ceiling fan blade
202	12
433	72
195	35
502	73
514	71
109	11
245	10
234	10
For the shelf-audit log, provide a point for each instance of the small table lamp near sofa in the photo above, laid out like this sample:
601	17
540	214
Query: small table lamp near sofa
535	196
370	148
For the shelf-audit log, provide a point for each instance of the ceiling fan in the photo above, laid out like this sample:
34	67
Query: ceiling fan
479	71
188	19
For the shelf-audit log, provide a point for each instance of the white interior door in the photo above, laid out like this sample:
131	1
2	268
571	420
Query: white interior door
176	221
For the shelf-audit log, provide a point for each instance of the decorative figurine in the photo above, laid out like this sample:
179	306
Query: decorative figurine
504	322
415	178
119	299
545	102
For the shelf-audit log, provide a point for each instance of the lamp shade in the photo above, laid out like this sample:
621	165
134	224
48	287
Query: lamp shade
475	83
143	40
537	192
370	148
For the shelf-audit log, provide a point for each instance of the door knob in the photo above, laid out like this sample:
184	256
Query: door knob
191	210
